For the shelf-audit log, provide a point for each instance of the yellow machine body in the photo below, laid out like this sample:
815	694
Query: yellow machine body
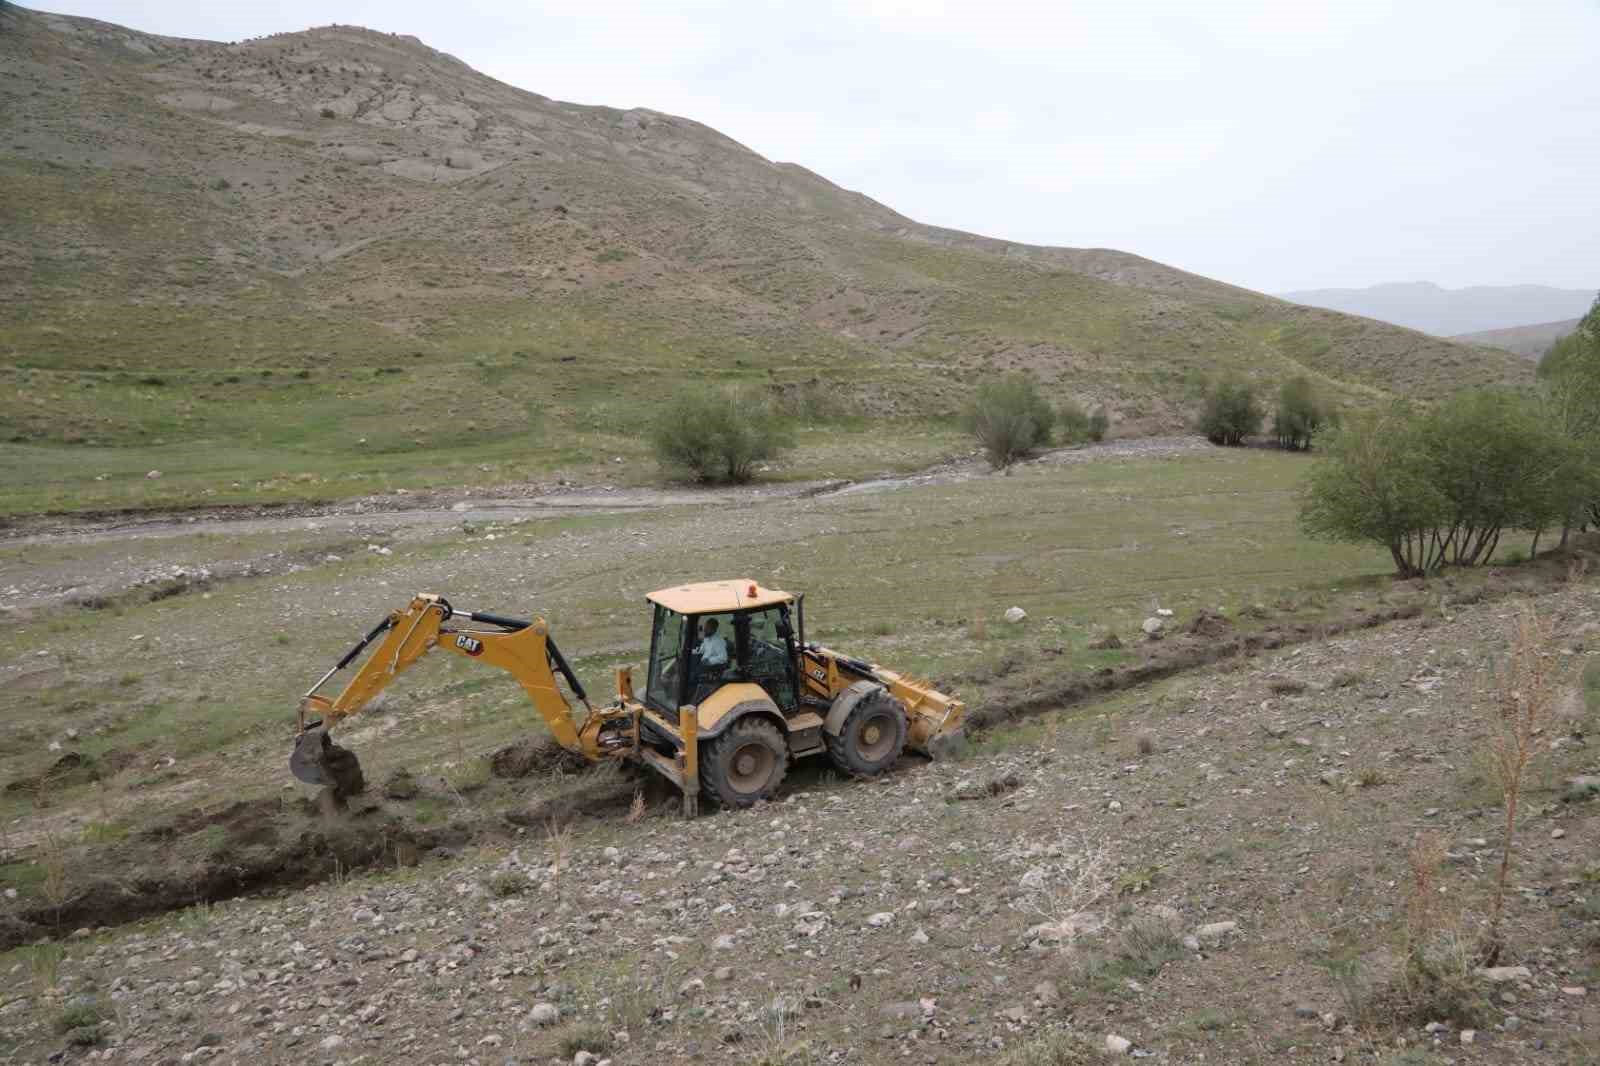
860	713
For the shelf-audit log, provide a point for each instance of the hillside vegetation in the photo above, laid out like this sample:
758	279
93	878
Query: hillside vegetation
344	262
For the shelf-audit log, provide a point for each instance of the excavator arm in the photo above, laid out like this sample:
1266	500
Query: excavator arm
521	648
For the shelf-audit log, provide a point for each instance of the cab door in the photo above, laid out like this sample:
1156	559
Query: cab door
766	654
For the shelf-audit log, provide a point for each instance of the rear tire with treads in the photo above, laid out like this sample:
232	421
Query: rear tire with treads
745	764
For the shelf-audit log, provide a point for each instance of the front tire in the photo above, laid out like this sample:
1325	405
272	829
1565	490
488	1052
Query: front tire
872	737
745	764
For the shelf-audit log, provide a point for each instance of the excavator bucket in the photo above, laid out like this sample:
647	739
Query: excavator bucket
317	760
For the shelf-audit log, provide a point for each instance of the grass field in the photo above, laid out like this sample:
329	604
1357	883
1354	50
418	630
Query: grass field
899	575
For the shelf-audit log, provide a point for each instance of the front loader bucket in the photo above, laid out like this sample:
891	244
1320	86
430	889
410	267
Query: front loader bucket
317	760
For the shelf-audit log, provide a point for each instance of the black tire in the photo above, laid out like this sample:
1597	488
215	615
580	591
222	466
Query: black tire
872	737
744	764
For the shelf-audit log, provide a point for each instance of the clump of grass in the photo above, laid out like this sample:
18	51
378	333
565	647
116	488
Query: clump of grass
44	965
103	832
82	1013
1143	948
558	839
1053	1049
469	776
1371	777
593	1038
1526	685
504	883
1438	978
1346	679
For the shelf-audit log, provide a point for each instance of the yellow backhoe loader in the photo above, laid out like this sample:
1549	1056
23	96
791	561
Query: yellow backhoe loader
733	693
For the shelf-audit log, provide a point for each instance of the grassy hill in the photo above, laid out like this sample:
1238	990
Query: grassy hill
1529	341
336	262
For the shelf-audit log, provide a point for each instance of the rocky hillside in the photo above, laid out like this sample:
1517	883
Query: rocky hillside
255	242
1529	341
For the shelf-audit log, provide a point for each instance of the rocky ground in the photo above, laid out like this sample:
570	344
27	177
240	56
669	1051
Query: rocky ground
1209	870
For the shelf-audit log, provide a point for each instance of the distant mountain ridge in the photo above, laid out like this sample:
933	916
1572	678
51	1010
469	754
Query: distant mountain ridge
1431	308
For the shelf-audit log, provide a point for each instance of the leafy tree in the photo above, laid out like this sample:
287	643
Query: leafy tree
1499	466
718	434
1300	413
1444	487
1374	486
1569	376
1231	412
1010	418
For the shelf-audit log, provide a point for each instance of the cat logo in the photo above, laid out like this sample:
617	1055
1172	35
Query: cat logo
820	674
470	645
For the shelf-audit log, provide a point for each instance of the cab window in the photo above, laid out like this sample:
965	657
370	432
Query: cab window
711	654
767	656
666	647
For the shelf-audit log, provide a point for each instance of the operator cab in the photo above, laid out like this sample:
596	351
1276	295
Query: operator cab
708	634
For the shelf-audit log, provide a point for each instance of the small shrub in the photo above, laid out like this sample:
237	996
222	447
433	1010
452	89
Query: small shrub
1230	413
1299	415
1072	422
328	112
504	883
1010	419
718	435
83	1013
1099	423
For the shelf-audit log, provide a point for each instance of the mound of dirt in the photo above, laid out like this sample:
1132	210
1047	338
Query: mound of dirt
534	755
1208	623
73	769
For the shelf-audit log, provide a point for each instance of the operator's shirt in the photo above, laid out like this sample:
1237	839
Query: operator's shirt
714	650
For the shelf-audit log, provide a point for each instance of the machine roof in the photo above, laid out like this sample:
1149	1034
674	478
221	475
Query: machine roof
715	597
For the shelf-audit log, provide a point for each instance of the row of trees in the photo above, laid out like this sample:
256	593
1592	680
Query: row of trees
1442	486
1231	413
724	434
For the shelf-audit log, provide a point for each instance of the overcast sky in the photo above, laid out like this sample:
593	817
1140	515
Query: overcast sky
1278	145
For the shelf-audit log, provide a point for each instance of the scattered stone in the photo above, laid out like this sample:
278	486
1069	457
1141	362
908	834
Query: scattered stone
544	1014
1307	1012
1192	942
1469	1036
1574	990
1046	993
331	1043
585	1058
1557	834
919	937
1582	787
725	942
1015	615
722	973
153	475
1152	628
1215	932
1502	974
1117	1045
881	919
